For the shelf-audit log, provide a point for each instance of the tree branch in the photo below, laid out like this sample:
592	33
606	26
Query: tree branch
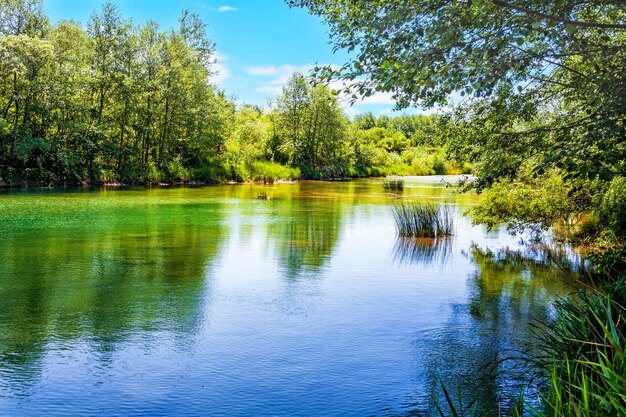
552	18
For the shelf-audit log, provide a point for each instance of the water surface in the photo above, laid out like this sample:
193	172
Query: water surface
209	301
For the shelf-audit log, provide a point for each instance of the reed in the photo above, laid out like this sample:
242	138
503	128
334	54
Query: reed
414	219
394	184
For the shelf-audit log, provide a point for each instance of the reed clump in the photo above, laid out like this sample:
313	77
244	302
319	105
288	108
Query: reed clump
263	196
582	360
393	184
415	219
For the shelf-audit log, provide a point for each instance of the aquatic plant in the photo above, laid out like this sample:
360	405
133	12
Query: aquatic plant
394	184
415	219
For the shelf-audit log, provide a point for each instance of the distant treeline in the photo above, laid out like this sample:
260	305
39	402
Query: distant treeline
121	102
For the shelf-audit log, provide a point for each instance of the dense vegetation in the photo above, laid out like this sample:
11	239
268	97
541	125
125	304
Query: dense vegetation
121	102
537	90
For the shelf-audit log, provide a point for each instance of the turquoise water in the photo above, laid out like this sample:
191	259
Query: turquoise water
209	301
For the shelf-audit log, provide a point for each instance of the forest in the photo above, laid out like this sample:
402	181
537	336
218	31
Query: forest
119	102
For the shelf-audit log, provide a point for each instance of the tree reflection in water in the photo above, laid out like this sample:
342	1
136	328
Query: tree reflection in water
482	351
305	235
92	286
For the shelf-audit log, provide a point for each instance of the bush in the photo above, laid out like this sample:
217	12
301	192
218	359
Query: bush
176	171
612	205
151	176
208	173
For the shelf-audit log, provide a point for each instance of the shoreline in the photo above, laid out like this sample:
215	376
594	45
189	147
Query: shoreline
119	184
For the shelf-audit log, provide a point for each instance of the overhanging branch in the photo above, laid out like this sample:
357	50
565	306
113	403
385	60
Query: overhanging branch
557	19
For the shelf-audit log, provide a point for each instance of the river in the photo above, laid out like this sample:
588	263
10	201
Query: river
210	301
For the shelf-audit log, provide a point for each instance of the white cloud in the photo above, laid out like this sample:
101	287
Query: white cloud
280	74
275	77
223	9
220	70
266	70
272	78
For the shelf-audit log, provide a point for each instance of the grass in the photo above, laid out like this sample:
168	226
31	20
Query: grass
270	172
394	184
415	219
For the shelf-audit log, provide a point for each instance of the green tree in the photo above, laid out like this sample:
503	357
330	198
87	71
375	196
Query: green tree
292	105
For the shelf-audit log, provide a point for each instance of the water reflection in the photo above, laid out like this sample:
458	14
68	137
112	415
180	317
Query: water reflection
482	348
103	288
422	251
207	300
304	234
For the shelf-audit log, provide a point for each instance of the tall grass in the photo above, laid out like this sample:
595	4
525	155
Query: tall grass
415	219
585	350
393	184
270	172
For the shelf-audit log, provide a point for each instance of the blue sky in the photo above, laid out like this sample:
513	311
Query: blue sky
259	42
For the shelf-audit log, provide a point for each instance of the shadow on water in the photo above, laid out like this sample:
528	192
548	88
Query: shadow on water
480	354
115	278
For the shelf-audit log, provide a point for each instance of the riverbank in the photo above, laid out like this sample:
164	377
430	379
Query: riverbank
114	184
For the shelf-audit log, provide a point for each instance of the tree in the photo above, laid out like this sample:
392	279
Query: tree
292	105
23	17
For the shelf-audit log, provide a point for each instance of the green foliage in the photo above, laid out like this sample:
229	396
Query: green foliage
311	128
114	102
612	205
527	203
270	172
123	102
